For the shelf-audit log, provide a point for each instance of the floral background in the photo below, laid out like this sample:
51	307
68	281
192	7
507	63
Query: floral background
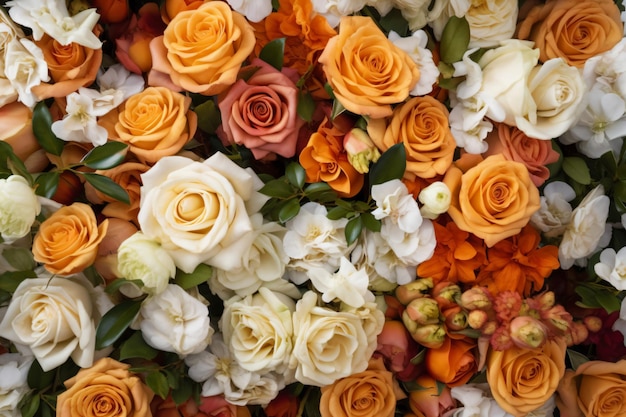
312	208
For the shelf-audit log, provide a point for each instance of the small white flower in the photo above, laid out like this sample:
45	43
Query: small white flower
348	284
435	199
175	321
19	206
415	47
555	212
333	10
394	202
80	124
612	267
25	68
13	382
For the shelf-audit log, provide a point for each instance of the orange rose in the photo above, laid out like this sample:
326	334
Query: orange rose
217	406
522	380
203	61
516	146
366	71
429	400
154	123
67	242
572	29
493	200
372	392
324	159
170	8
454	363
71	66
103	390
111	11
596	388
421	124
16	120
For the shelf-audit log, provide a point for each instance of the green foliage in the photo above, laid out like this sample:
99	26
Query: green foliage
136	347
10	280
20	259
157	382
47	183
454	39
390	166
209	117
295	175
202	273
106	186
576	359
576	168
597	296
115	322
394	21
42	122
107	156
10	164
273	53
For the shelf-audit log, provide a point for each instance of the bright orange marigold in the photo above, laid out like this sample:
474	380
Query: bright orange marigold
519	264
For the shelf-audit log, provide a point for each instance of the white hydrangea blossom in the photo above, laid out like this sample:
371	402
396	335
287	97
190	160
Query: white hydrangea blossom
555	212
415	47
348	284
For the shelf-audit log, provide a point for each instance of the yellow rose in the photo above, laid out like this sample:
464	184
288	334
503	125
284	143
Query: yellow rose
107	389
67	242
493	200
522	380
154	123
202	50
596	388
366	71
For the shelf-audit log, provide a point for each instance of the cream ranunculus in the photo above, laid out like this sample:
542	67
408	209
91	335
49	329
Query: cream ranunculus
175	321
18	207
55	319
199	211
259	331
328	344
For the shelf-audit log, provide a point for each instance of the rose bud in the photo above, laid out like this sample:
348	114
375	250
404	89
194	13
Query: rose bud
593	323
112	11
474	298
430	400
455	319
546	300
435	199
361	150
477	319
416	289
446	293
528	332
423	311
489	328
557	319
431	335
577	334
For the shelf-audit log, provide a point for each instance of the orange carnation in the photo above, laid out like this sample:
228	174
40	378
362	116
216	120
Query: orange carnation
519	264
572	29
325	160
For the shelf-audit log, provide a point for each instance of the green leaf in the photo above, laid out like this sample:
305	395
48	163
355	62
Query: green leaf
454	39
20	259
183	392
30	405
11	164
278	188
338	212
202	273
608	301
273	53
115	322
289	210
107	156
306	106
419	358
316	187
136	347
106	186
390	166
396	22
295	174
209	117
576	358
38	379
47	184
173	378
576	169
10	280
157	382
370	222
337	109
353	229
115	285
42	122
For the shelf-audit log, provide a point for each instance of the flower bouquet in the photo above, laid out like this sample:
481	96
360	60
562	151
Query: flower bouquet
312	208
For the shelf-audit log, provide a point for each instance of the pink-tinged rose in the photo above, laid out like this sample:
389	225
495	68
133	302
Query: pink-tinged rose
217	406
536	154
398	348
428	402
261	113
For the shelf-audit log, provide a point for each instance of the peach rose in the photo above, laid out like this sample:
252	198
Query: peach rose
573	30
371	392
522	380
454	363
536	154
324	159
104	390
71	66
397	348
596	388
429	401
422	125
493	200
261	113
16	120
203	61
111	11
67	241
154	123
366	71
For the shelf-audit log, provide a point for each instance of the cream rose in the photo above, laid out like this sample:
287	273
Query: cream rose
259	331
491	21
328	345
198	210
55	319
18	207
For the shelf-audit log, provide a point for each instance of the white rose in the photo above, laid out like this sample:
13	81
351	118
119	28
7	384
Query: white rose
259	331
372	319
8	31
586	228
13	385
198	210
142	258
25	67
328	344
55	319
19	206
414	11
435	199
174	321
491	21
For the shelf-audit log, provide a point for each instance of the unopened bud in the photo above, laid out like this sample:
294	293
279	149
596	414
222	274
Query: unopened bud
577	334
474	298
431	336
477	319
557	319
593	323
360	149
446	293
489	328
416	289
457	321
435	200
546	300
423	311
527	332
